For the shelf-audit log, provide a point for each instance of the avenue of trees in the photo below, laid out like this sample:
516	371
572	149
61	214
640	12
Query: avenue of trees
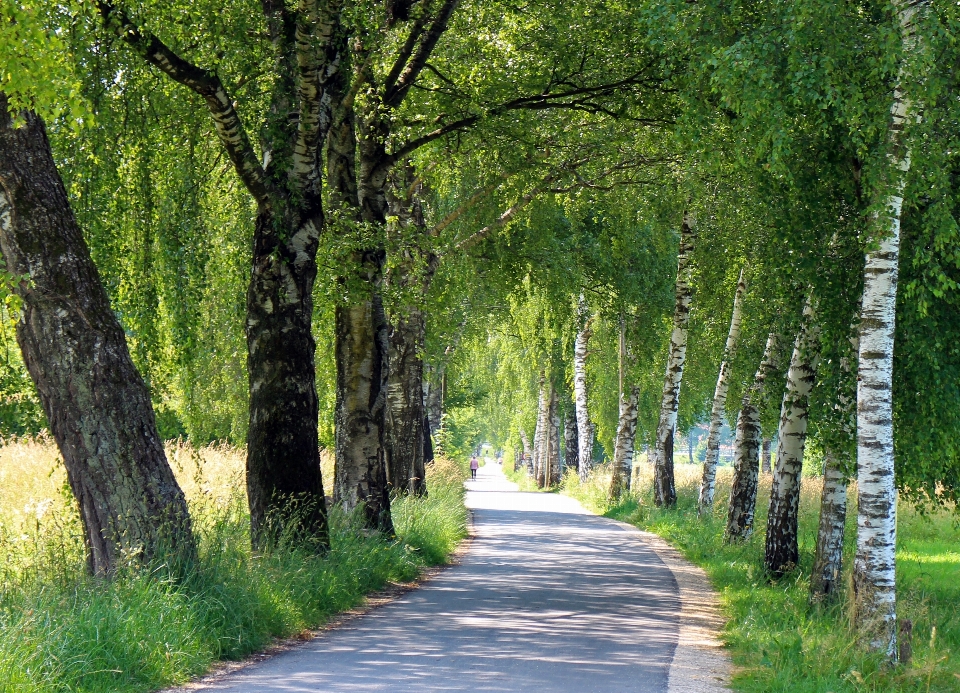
379	228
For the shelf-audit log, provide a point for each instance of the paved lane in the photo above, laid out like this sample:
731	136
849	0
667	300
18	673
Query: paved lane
547	598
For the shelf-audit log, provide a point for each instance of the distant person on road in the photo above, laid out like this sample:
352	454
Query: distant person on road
474	466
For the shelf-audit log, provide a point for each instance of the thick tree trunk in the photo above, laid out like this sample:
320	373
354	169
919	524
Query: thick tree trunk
96	403
405	413
432	396
743	491
570	438
827	564
585	428
664	489
765	456
709	481
874	567
782	552
551	462
284	485
360	476
623	448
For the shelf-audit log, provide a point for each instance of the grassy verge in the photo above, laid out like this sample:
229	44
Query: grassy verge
520	477
61	631
777	640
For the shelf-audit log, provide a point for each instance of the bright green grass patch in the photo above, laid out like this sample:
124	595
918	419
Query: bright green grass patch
61	631
520	477
777	640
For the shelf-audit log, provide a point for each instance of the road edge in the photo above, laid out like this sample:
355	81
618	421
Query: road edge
700	662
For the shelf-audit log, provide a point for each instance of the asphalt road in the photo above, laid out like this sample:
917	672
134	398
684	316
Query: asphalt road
547	598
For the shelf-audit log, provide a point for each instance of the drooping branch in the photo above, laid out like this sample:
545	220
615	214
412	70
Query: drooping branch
204	82
455	214
394	95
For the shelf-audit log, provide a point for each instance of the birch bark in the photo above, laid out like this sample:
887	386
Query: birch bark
97	405
874	567
551	463
527	452
540	435
709	481
623	448
664	489
743	491
570	437
781	551
585	428
766	456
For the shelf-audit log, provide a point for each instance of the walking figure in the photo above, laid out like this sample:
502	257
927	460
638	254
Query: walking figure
474	466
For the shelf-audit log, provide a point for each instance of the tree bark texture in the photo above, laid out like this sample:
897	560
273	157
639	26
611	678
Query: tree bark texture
874	566
765	456
571	446
540	434
781	551
827	564
708	483
743	491
664	488
585	428
96	403
623	448
527	451
405	412
551	461
360	476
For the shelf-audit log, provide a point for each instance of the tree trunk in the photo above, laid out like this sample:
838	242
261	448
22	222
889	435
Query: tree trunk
405	414
551	463
766	456
540	435
360	476
874	567
664	489
432	400
781	552
96	403
570	437
527	452
623	449
827	564
585	429
743	491
709	480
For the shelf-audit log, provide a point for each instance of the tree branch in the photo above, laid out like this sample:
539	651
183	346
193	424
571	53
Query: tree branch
394	95
207	84
455	214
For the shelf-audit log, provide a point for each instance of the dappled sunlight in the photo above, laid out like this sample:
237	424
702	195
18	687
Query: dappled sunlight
548	598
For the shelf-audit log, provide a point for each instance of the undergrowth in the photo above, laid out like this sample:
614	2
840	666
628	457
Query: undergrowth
778	641
63	631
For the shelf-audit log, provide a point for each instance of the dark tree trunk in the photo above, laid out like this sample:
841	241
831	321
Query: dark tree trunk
284	484
765	457
405	414
551	461
96	403
427	445
570	439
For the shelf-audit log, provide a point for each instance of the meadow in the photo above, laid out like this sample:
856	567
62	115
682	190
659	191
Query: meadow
61	630
777	639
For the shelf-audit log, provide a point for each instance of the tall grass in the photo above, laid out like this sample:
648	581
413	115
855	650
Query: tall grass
63	631
780	642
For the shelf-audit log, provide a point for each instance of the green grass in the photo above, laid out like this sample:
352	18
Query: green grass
779	642
62	631
520	477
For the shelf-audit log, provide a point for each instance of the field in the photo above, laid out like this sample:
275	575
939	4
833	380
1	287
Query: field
62	631
777	640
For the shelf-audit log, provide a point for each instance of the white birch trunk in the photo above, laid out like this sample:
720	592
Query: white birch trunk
708	483
782	550
527	452
585	429
766	456
551	466
665	492
743	491
874	567
623	449
570	436
540	435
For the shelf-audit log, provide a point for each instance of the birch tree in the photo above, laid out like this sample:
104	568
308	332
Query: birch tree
781	553
874	568
585	428
708	483
665	493
624	446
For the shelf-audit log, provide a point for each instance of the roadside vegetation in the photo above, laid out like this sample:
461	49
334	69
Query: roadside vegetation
62	630
778	640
